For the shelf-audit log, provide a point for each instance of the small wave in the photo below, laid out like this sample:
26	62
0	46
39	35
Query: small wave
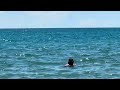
87	58
81	60
4	56
28	55
6	40
96	63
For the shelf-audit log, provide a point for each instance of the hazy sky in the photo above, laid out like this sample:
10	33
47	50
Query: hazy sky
59	19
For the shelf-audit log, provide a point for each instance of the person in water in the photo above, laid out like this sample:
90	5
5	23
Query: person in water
70	63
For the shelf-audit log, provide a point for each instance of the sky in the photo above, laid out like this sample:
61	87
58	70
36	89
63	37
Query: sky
59	19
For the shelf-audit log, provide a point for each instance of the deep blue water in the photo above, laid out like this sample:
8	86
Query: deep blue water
42	53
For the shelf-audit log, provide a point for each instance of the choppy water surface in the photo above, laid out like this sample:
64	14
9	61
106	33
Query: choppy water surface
42	53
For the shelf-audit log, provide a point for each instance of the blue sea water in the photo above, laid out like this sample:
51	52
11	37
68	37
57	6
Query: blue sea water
42	53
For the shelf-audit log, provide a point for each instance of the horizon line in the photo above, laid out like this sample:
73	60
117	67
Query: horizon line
53	27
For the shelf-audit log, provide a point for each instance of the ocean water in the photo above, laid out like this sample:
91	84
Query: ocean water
42	53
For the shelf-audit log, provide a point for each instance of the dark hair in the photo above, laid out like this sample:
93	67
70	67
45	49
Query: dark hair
70	61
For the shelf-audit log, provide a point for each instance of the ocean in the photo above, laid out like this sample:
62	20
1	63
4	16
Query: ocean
41	53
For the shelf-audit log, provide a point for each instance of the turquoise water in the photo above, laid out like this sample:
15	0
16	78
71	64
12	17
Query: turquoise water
42	53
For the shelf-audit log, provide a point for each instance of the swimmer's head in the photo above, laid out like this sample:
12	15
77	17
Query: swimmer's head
70	61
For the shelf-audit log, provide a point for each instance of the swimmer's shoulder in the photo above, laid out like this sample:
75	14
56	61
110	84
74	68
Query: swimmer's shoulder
67	65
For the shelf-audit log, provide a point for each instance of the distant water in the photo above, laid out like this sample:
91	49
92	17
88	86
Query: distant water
42	53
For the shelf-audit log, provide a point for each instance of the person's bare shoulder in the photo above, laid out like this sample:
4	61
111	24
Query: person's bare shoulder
66	65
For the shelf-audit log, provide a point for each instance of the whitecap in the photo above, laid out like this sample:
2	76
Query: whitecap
96	63
81	60
6	40
87	58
